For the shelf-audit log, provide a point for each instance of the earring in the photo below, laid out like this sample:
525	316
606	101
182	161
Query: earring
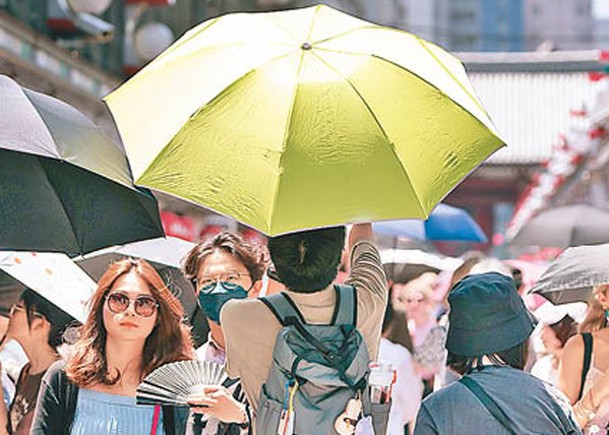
607	315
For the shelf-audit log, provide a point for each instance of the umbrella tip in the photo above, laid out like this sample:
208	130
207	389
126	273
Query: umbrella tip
306	46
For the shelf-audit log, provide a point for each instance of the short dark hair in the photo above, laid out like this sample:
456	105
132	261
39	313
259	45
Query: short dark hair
57	318
515	357
251	256
308	261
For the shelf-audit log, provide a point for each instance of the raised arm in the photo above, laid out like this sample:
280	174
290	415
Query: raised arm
360	232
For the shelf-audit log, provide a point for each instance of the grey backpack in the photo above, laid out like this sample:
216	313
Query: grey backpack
316	369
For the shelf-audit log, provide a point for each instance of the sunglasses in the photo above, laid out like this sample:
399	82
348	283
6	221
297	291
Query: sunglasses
144	306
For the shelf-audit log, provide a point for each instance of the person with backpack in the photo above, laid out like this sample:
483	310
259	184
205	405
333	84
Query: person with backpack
487	341
303	355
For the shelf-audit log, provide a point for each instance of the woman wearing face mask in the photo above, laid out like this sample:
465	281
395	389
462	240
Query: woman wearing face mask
222	269
134	326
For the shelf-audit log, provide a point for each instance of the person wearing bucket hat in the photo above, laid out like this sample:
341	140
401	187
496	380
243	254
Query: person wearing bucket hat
487	340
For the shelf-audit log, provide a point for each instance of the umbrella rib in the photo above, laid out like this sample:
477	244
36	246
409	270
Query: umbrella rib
346	32
378	123
375	56
419	40
289	122
450	74
60	158
63	208
202	107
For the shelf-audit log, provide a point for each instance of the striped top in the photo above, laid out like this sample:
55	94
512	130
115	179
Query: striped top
110	414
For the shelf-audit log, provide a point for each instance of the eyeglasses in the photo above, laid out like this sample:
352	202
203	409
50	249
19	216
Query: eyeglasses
230	280
144	306
20	308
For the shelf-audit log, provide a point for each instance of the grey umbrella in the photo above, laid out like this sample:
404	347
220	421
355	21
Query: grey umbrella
65	186
562	227
574	274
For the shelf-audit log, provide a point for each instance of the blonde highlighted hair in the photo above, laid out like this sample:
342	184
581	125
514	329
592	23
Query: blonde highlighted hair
596	318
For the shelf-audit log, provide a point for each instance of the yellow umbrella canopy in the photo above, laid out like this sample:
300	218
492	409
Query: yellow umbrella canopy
303	118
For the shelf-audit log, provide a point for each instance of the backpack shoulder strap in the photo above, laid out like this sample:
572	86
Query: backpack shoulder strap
345	309
488	402
282	307
587	361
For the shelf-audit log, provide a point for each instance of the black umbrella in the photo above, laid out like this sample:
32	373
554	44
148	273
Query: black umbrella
566	226
573	275
165	255
65	186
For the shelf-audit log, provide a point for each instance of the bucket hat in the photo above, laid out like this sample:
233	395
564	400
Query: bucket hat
486	316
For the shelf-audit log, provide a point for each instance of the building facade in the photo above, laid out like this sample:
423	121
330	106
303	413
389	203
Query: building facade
560	25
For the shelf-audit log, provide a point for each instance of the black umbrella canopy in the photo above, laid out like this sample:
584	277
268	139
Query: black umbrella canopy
65	186
562	227
573	275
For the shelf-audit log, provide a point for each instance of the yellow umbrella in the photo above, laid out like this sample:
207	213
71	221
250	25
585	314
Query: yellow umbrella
303	118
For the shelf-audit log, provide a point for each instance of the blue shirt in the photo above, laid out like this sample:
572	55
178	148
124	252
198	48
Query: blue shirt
110	414
531	405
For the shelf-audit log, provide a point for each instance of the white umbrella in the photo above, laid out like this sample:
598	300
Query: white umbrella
416	256
54	276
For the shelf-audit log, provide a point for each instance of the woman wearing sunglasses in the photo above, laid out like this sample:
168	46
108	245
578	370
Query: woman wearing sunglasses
222	269
38	326
134	326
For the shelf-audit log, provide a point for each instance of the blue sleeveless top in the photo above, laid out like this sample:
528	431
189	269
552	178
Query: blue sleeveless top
110	414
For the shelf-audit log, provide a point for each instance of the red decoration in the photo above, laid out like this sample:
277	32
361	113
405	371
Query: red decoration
603	56
178	226
578	112
596	76
596	133
210	231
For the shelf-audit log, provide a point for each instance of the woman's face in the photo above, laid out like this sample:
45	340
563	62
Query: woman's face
409	300
18	327
224	267
130	311
550	342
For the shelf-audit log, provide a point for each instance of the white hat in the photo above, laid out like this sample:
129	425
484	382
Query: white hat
549	313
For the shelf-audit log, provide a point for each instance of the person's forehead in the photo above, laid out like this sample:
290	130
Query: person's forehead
131	284
220	262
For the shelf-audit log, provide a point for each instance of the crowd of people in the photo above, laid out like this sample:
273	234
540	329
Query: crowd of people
304	351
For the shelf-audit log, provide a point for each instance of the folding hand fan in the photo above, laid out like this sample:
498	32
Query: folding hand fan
173	383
